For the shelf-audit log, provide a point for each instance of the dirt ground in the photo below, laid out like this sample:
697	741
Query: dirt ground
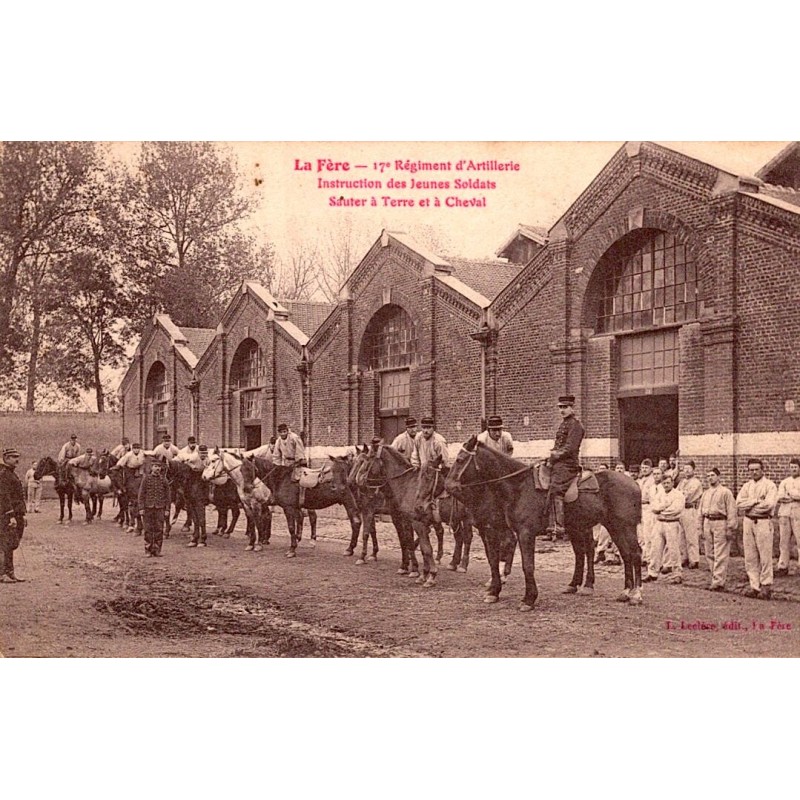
90	592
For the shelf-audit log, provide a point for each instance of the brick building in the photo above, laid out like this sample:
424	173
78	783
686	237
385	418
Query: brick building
666	298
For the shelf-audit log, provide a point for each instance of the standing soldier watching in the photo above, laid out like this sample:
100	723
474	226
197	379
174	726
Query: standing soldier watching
153	502
644	529
667	505
495	437
564	458
404	442
717	514
757	499
690	538
33	489
788	515
123	447
12	513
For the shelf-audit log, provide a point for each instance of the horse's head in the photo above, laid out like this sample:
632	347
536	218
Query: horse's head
372	473
103	463
357	465
214	471
45	466
340	472
465	468
430	484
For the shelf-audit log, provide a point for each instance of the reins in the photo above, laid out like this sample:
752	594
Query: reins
491	480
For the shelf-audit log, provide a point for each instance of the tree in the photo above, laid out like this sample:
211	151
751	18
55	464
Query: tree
44	192
298	274
343	248
180	232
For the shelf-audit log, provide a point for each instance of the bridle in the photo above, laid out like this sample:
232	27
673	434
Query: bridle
472	455
371	484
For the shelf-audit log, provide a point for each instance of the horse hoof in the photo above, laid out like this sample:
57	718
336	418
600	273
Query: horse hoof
249	547
430	582
420	580
291	554
524	607
635	601
503	578
491	598
623	598
372	558
402	571
451	567
360	562
461	569
438	560
348	552
570	590
586	590
226	536
413	574
61	522
258	548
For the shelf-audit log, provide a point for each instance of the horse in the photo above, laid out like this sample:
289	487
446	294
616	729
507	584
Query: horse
188	483
481	477
390	471
286	493
89	487
225	499
372	500
65	489
226	467
461	520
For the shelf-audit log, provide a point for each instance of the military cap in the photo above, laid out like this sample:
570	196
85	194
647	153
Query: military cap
9	452
411	421
283	427
494	422
566	400
203	448
428	421
135	445
192	440
89	450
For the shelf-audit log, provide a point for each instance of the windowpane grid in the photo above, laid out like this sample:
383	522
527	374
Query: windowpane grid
160	415
395	390
655	284
393	342
248	369
649	359
251	404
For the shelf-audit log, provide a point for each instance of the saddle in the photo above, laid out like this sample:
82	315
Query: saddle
311	478
585	481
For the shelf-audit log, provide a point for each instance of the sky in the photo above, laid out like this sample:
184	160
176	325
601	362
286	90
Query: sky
294	208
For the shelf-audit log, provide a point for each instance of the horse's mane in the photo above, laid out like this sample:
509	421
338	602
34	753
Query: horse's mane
396	455
507	462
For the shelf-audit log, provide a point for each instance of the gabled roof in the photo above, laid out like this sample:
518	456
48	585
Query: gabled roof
786	162
487	276
535	233
198	339
308	315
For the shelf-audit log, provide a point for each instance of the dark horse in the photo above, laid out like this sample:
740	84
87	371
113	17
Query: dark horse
188	483
484	477
65	489
373	500
286	494
390	471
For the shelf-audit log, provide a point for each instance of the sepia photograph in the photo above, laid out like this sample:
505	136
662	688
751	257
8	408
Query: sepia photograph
399	399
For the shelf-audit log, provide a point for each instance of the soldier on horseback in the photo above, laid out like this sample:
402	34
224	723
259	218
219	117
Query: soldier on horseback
564	458
495	437
404	442
70	449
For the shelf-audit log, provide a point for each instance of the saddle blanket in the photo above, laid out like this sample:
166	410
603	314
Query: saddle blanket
585	482
309	478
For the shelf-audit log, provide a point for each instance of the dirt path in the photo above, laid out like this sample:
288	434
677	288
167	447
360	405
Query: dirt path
91	592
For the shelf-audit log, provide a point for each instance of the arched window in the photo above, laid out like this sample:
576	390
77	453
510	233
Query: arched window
248	378
648	280
156	393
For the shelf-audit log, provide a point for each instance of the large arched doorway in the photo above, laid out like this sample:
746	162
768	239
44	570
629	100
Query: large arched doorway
247	381
389	349
157	399
643	289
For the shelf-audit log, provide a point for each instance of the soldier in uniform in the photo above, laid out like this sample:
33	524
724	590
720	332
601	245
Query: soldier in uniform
123	447
289	449
166	451
495	437
788	515
564	458
757	499
70	449
404	442
690	535
153	502
429	445
85	461
717	513
12	513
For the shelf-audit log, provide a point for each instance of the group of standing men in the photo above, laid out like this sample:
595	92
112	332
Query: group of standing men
677	518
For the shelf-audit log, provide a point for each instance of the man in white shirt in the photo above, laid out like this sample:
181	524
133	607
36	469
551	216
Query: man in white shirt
788	515
644	530
404	442
289	449
165	451
133	459
757	499
429	445
690	535
123	447
70	449
33	490
717	515
495	437
667	504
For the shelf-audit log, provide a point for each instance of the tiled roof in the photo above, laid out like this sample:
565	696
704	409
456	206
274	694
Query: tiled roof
306	314
536	231
198	339
487	276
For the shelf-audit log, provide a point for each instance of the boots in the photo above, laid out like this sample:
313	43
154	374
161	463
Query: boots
555	527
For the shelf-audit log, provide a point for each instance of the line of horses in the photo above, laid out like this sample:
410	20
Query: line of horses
484	489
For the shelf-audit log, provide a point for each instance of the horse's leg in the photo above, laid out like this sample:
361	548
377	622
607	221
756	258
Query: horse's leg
528	552
61	499
631	553
439	528
466	535
458	537
428	577
491	544
588	544
577	549
291	524
100	506
507	550
234	519
312	521
368	522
